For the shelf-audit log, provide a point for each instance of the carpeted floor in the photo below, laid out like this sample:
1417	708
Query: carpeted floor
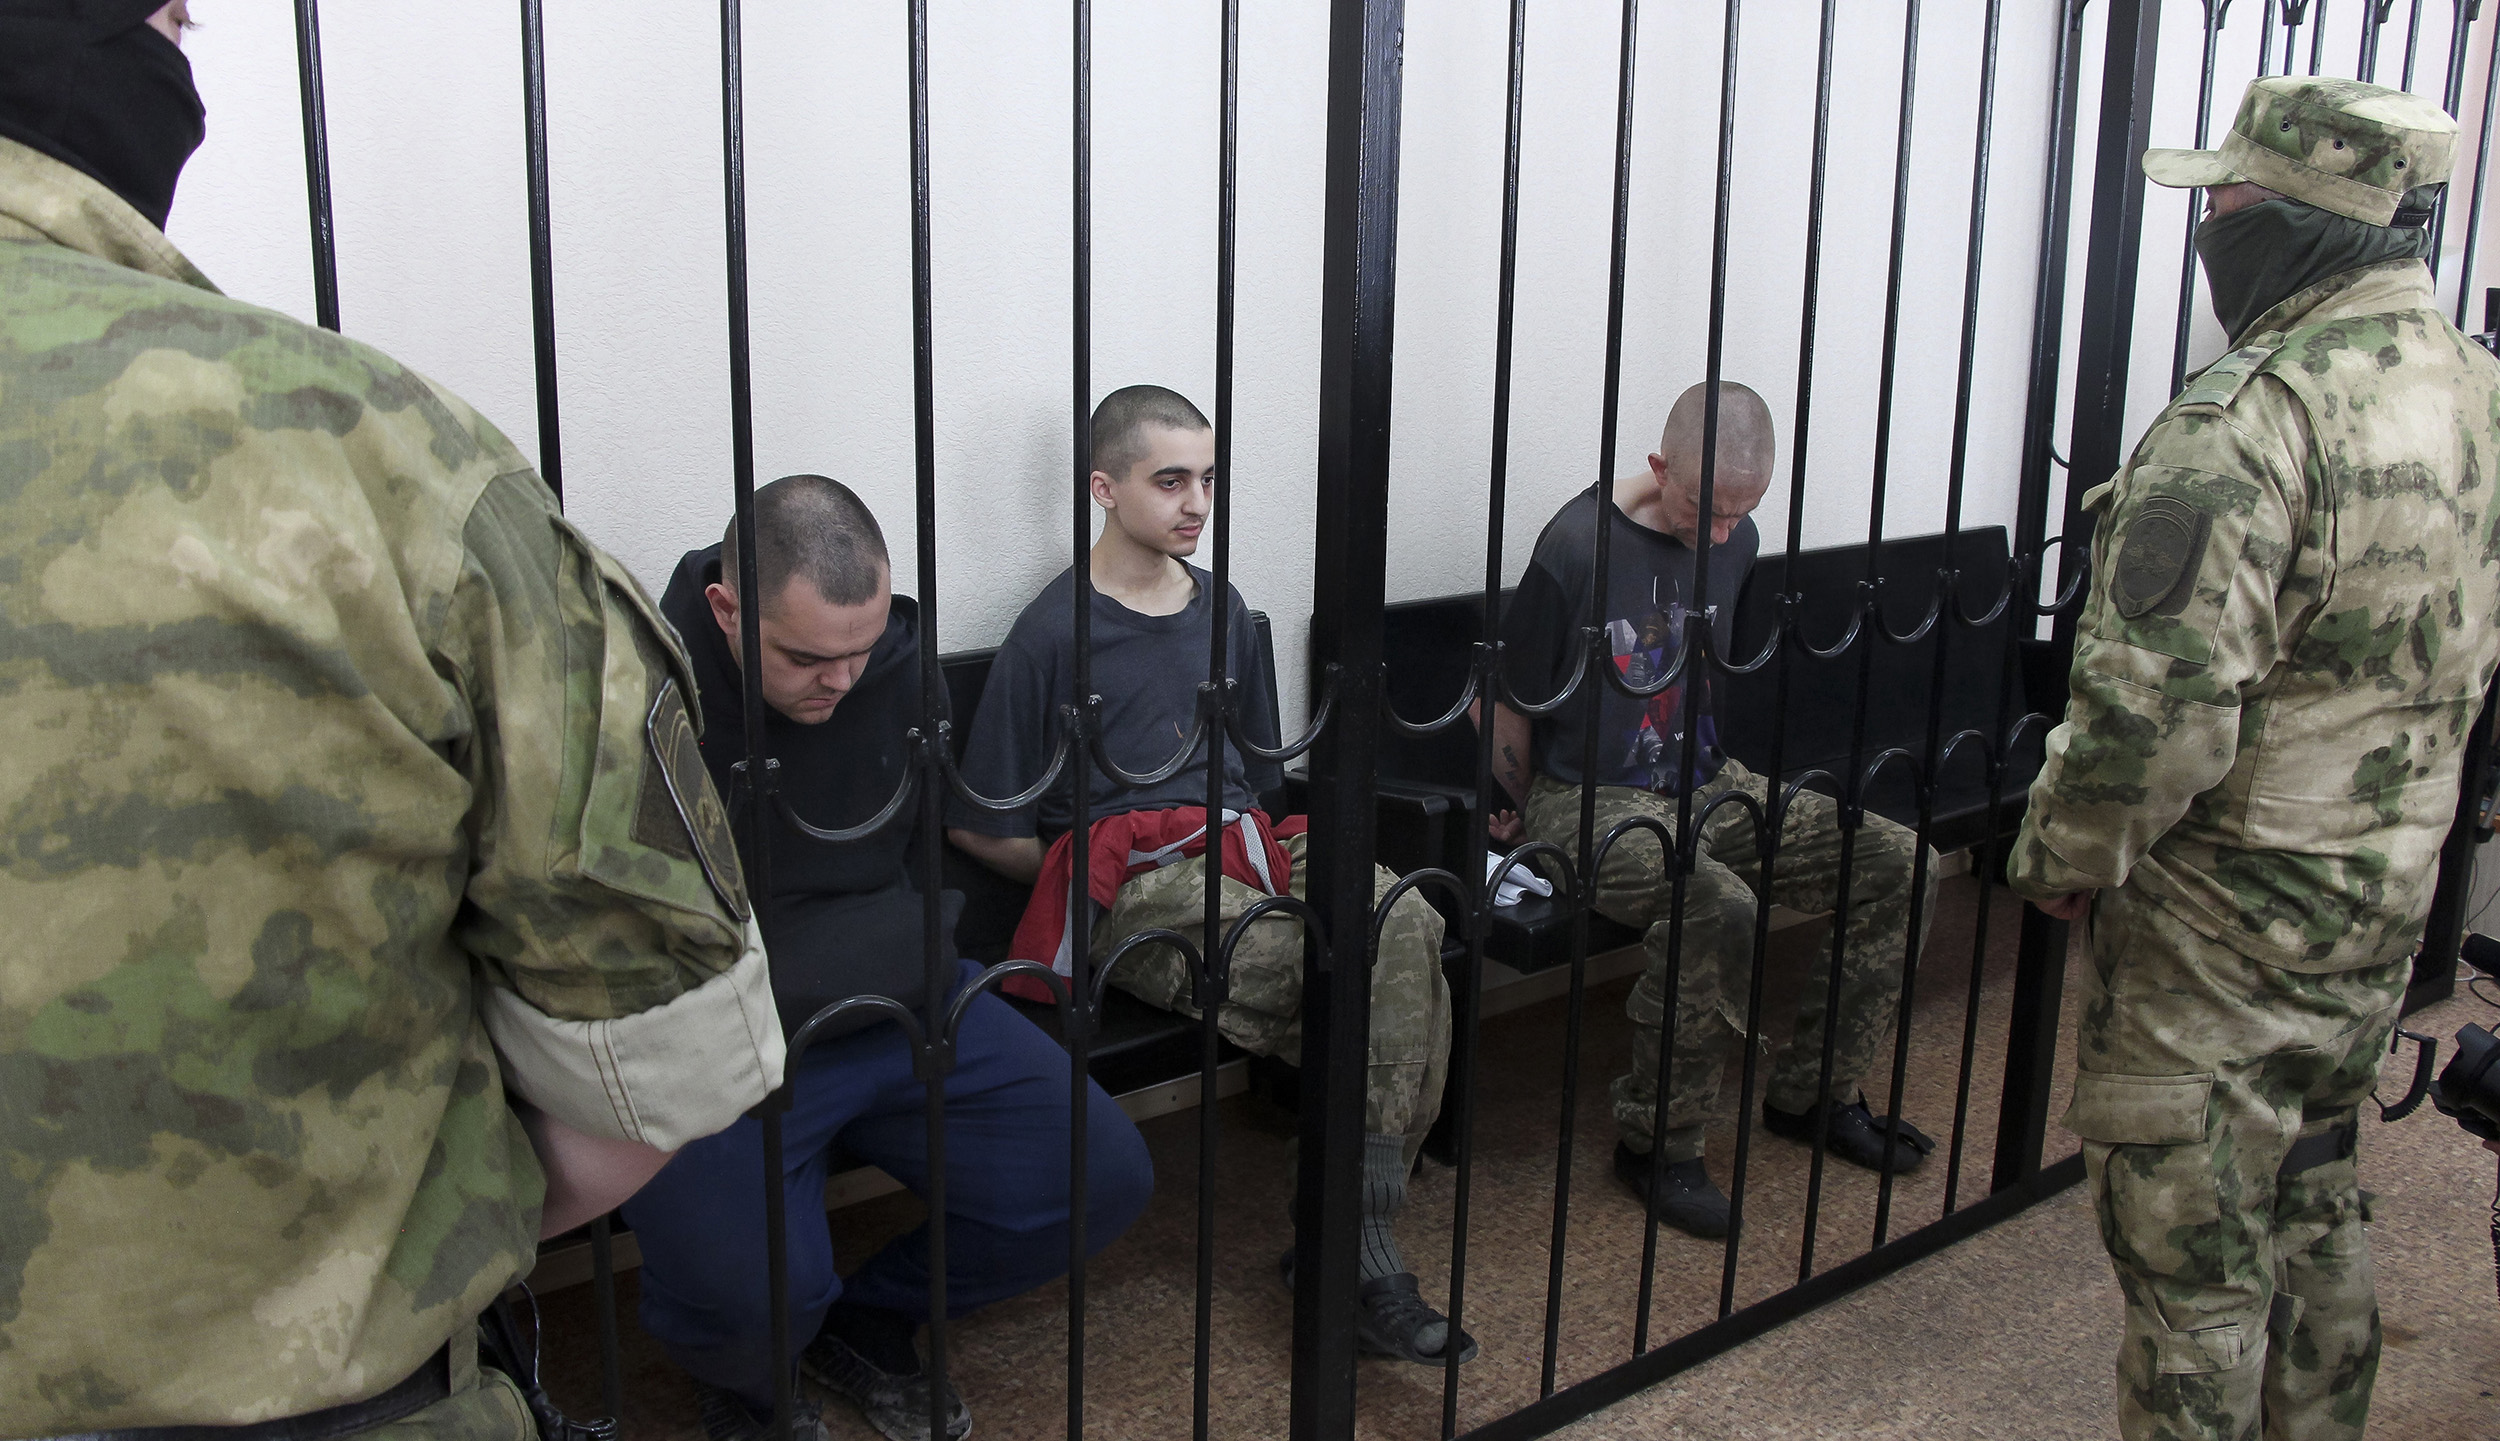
2008	1334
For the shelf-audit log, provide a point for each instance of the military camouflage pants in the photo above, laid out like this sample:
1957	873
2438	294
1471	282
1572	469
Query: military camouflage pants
2248	1296
1262	1011
1635	889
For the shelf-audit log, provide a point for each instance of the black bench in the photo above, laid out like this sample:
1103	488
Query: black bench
1135	1045
1430	646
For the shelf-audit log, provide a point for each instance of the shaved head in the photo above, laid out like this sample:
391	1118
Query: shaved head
1747	448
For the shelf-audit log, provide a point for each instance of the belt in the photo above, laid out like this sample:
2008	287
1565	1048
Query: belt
2325	1148
430	1383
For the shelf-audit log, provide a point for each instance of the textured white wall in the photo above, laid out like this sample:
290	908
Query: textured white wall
425	113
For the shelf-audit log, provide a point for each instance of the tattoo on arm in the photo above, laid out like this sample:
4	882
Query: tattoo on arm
1512	778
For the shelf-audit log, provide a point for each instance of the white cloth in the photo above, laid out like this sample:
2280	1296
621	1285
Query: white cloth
1519	881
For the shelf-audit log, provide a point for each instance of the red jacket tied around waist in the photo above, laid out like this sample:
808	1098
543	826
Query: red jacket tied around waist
1131	844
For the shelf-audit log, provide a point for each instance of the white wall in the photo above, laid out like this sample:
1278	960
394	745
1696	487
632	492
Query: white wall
425	119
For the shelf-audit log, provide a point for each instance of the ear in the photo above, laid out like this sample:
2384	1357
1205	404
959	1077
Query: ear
1659	470
1100	483
724	603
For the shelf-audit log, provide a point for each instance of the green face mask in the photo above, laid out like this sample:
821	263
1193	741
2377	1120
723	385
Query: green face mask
2259	257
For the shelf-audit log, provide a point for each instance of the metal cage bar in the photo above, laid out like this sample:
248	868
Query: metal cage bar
325	251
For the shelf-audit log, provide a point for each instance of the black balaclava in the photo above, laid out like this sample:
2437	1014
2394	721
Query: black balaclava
92	84
2258	257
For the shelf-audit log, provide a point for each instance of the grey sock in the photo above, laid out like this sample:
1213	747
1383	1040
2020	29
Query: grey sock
1384	1194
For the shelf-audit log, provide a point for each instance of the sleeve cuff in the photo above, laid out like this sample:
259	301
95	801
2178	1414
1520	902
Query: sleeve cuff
2036	872
661	1077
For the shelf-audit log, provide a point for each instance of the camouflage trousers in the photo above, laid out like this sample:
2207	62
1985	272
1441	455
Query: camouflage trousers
1262	1010
2249	1298
1635	889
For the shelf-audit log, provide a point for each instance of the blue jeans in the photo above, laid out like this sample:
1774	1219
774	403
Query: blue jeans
700	1222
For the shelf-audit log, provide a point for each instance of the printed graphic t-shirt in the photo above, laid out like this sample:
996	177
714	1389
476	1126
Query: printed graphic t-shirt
1648	594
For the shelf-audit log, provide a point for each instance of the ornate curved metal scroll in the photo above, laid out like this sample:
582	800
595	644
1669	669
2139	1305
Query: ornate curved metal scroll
943	757
894	805
1301	743
1466	699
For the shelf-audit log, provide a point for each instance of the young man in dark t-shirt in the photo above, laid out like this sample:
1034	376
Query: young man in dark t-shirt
841	686
1150	619
1640	745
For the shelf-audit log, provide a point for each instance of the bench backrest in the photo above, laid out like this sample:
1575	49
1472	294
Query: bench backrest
1428	644
1822	694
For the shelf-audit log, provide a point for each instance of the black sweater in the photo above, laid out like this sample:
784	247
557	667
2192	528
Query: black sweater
840	920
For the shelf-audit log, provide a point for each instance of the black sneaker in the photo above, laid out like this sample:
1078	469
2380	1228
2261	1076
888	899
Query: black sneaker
1687	1198
727	1417
1856	1135
898	1406
1393	1320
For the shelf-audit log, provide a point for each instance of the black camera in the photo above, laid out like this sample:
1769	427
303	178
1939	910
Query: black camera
2468	1091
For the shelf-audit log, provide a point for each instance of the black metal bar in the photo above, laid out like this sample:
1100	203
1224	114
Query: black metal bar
1699	643
2443	934
2098	441
542	244
1078	1016
2413	35
325	250
937	1040
1546	1416
2293	10
1949	598
2031	525
2265	34
2187	244
757	778
2482	164
1853	801
2374	14
2317	37
1357	310
1749	1070
2031	1049
1585	869
1467	998
1214	978
603	1286
2048	306
2451	99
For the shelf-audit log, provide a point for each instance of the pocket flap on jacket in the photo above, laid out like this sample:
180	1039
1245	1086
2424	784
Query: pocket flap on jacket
2139	1110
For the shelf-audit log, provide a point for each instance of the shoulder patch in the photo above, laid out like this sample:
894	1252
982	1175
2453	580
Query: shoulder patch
2219	383
2158	555
679	811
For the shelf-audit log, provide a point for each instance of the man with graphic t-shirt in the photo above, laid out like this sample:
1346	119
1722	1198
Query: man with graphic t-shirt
1151	612
1655	524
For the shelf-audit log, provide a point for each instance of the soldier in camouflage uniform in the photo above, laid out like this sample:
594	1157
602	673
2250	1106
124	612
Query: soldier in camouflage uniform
2289	631
1656	528
351	801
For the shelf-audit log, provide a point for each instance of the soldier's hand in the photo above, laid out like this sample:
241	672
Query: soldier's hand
2068	907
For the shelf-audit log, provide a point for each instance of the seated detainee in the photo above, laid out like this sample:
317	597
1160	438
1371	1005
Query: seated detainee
1639	745
841	681
1152	614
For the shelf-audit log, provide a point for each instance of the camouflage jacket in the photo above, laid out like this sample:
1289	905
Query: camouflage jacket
333	810
2288	634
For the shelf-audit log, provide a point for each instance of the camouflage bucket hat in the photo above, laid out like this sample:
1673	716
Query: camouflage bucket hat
2340	145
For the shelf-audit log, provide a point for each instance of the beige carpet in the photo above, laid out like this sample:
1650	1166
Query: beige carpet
2006	1335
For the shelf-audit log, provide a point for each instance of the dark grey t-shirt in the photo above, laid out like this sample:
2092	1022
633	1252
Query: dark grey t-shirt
1649	586
1146	669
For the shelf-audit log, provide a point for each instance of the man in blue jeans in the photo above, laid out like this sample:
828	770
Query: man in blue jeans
841	684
